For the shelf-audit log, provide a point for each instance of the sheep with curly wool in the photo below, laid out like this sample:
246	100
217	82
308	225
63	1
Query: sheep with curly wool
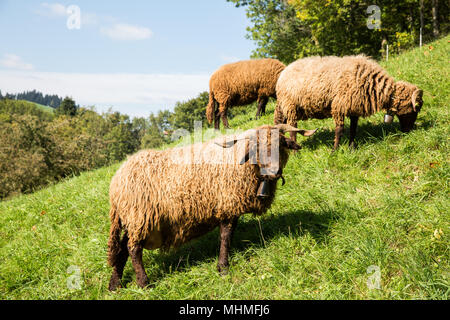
242	83
162	199
352	86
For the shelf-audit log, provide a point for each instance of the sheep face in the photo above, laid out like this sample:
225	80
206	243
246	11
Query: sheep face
268	148
407	103
407	121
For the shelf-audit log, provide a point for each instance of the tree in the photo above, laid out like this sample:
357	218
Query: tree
276	30
37	97
435	10
67	107
120	138
12	109
154	136
186	113
292	29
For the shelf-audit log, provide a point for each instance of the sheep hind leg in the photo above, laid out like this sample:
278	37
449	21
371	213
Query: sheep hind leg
226	234
138	266
262	102
353	126
217	120
223	115
120	261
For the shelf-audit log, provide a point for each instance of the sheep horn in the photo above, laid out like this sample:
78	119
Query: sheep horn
414	98
227	144
284	128
307	133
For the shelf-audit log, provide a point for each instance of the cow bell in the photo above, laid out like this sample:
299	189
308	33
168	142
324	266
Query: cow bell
263	190
388	118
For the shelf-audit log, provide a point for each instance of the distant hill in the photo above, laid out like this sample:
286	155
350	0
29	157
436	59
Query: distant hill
53	101
44	108
22	107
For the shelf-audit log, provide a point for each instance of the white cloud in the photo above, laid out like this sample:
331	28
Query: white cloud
133	94
53	10
12	61
117	31
89	18
57	10
229	59
123	31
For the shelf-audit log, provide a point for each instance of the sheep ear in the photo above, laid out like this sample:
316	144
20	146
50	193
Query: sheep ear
248	149
416	94
245	158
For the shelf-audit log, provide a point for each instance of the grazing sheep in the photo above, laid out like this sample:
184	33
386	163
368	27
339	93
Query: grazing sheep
353	86
162	199
242	83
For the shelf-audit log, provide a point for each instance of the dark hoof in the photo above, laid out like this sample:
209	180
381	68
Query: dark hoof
223	270
143	283
114	284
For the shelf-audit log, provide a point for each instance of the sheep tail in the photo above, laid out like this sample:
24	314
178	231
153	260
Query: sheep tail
114	236
210	109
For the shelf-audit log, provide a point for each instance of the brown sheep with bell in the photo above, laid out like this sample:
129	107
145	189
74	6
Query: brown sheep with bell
162	199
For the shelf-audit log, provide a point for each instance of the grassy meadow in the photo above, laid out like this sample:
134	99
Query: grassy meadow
44	108
341	220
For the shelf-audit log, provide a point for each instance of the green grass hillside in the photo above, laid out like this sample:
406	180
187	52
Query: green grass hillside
44	108
341	219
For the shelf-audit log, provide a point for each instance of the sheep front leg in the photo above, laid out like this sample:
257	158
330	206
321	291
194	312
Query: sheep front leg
353	126
293	134
278	117
290	117
138	266
338	132
226	233
262	102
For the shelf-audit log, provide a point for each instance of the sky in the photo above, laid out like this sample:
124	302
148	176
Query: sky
136	57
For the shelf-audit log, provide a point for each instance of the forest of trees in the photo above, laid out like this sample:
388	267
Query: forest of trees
292	29
38	147
35	96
